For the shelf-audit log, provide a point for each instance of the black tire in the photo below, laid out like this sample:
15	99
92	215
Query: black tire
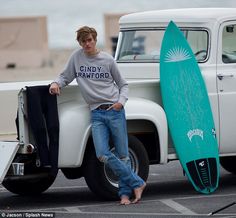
35	181
229	164
103	182
30	185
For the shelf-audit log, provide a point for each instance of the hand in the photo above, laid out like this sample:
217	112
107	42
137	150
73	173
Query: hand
54	89
117	106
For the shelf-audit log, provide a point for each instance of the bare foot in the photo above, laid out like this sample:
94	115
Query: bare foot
125	200
138	193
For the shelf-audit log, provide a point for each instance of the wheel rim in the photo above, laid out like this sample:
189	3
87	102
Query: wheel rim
112	178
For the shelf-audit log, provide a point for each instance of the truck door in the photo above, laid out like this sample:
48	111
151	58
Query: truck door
226	80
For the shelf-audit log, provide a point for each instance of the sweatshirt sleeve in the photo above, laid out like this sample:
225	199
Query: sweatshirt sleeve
120	82
68	73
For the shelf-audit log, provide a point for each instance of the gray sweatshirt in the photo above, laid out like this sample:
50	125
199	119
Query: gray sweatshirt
98	77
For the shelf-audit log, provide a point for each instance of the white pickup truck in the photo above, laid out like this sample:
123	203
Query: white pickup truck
211	33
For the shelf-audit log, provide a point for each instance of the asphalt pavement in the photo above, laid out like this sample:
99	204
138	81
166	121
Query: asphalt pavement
168	194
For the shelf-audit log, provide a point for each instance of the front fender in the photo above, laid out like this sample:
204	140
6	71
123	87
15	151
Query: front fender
140	108
75	128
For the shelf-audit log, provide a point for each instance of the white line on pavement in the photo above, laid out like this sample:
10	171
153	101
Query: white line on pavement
73	209
67	187
178	207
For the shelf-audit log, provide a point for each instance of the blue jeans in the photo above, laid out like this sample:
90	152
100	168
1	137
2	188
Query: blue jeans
112	123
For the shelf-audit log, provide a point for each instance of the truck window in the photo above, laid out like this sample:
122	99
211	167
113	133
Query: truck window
145	45
229	44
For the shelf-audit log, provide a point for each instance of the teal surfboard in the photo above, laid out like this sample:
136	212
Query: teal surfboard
188	111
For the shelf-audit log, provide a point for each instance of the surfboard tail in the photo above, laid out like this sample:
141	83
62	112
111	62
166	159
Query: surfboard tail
204	174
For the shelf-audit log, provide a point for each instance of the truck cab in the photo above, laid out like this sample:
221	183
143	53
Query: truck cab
211	35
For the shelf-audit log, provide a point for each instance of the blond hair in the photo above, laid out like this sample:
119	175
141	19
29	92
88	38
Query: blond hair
83	32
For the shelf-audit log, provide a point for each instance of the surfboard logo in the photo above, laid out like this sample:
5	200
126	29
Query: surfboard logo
194	132
201	164
177	54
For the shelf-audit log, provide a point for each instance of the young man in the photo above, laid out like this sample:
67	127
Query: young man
106	92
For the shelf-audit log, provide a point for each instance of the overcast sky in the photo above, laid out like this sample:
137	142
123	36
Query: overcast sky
65	16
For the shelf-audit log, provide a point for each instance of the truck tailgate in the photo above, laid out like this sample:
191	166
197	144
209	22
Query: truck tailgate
8	150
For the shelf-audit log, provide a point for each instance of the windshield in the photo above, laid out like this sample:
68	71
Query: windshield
145	45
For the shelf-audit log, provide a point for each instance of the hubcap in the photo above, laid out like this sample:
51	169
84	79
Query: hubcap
112	178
